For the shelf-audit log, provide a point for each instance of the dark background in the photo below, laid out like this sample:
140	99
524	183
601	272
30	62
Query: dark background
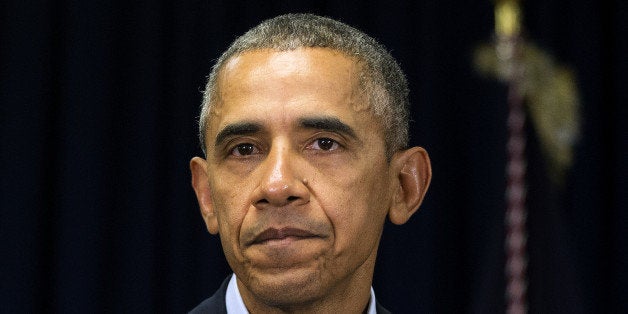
98	103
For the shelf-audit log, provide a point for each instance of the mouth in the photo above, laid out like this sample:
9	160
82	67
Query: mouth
273	234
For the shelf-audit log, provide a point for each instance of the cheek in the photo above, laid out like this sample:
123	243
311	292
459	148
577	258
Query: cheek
230	207
357	206
230	213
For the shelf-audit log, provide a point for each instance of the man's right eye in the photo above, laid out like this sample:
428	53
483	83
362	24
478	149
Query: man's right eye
244	149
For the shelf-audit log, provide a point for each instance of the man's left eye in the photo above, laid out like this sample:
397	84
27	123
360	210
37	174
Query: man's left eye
325	144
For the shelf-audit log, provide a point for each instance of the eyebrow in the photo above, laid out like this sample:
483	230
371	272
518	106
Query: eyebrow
324	123
331	124
239	128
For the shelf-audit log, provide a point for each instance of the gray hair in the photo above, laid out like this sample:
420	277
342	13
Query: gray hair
381	78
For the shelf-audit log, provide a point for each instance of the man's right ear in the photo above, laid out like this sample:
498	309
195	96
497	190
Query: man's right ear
200	183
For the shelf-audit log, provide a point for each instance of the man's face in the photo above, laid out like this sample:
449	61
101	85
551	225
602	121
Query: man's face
297	172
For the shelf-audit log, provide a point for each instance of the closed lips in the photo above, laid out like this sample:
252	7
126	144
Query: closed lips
278	234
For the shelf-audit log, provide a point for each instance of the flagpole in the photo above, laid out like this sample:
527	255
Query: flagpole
509	52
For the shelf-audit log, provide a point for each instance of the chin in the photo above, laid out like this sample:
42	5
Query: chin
286	287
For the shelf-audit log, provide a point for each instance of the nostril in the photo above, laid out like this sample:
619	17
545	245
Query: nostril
262	201
292	198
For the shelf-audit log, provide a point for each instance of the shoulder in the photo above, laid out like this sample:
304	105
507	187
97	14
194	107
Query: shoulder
215	303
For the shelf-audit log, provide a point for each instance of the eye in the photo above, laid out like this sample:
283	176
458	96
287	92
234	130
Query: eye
326	144
244	149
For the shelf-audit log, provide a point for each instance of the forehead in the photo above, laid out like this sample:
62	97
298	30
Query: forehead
275	86
289	62
302	68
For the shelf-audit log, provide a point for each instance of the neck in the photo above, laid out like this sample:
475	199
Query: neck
348	302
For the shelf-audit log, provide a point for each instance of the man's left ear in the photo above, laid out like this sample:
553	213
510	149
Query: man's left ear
414	173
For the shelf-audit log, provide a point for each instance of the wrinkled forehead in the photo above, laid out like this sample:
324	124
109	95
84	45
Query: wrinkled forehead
326	70
264	84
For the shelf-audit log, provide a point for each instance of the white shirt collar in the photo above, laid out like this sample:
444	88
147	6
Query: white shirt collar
235	304
233	298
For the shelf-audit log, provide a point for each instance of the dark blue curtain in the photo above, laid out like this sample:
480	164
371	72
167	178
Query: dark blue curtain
98	103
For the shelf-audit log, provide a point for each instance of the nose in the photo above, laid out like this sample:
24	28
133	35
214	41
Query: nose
281	183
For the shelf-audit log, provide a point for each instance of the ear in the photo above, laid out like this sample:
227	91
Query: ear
200	183
413	175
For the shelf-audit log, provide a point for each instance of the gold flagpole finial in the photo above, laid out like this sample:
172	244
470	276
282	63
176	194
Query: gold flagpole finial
507	18
550	90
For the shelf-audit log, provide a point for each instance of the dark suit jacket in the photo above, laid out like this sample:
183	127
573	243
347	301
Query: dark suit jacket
216	303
